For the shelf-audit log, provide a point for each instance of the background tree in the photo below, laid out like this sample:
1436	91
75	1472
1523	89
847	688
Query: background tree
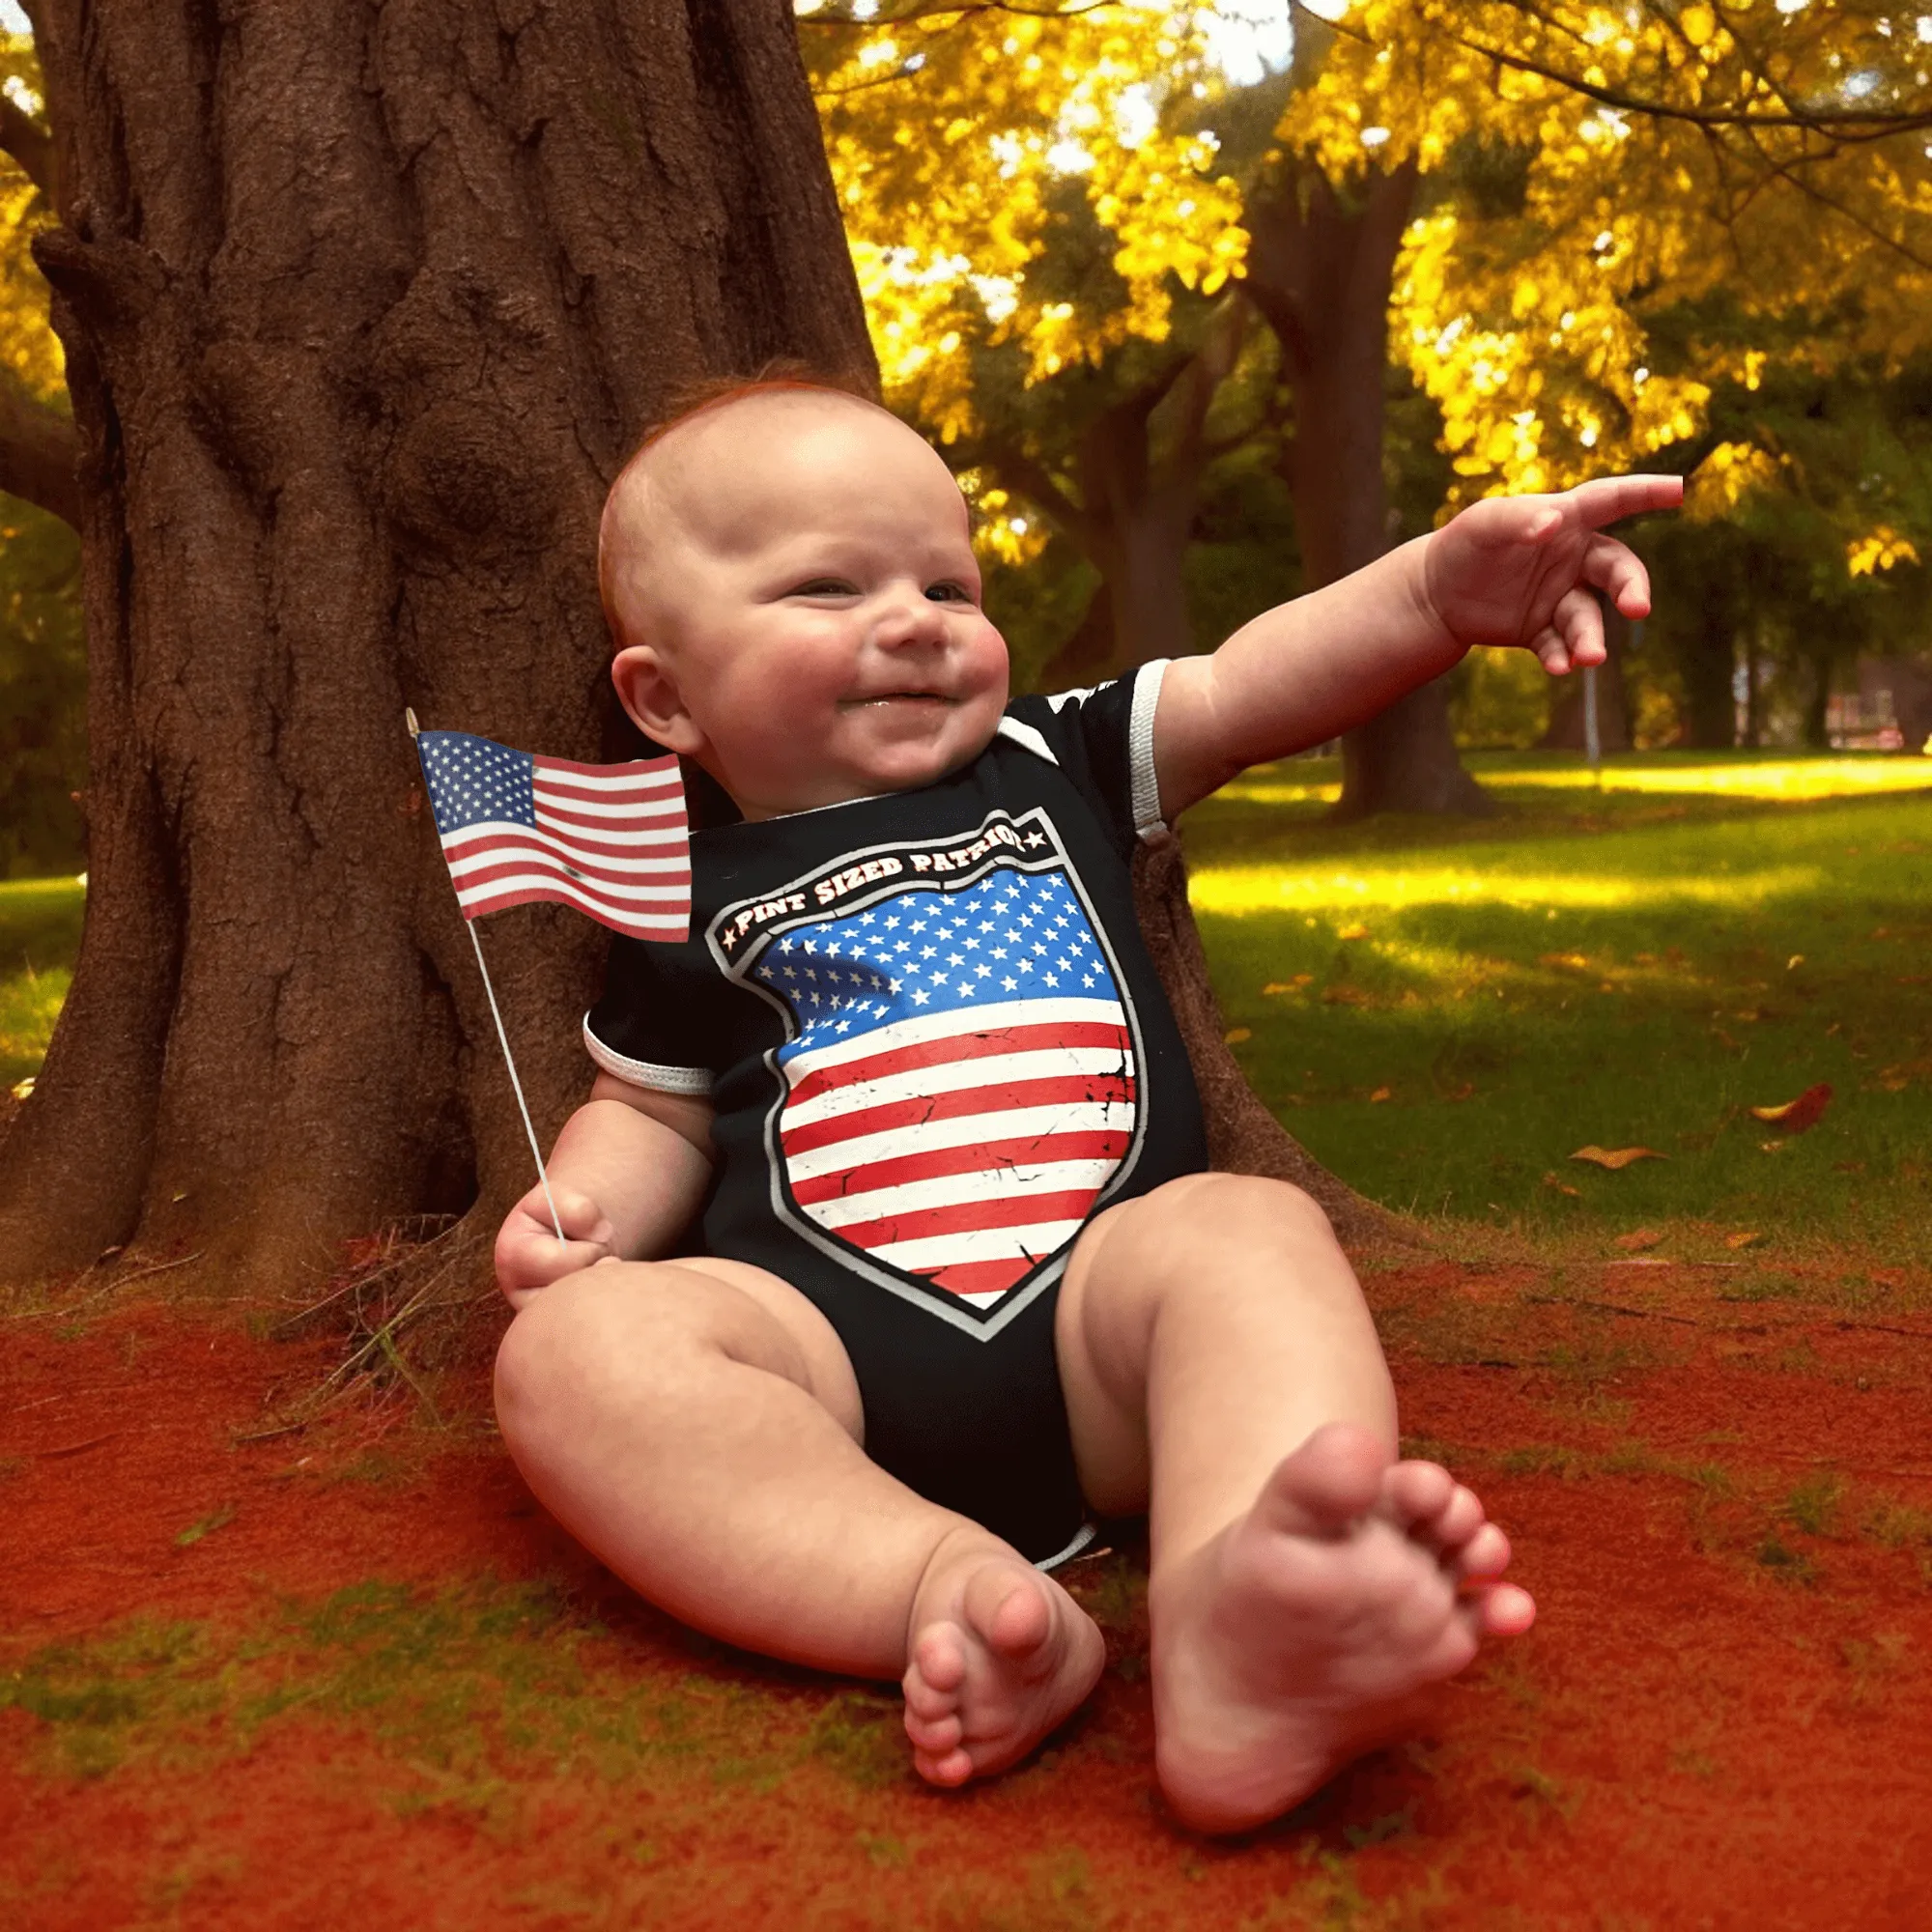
1667	225
361	308
43	671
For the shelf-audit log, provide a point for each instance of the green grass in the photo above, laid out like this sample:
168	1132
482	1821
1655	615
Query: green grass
40	934
447	1682
1636	966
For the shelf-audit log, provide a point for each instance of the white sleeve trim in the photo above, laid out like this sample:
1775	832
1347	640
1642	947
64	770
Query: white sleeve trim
645	1073
1139	748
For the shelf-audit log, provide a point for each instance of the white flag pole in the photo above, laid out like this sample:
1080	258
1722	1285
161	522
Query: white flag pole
516	1084
503	1041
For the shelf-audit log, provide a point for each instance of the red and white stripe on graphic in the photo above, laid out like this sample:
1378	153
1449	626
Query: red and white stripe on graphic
964	1147
610	839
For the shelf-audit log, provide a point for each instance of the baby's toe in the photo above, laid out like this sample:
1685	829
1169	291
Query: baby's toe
1434	1508
939	1659
1505	1611
1414	1493
946	1767
935	1737
926	1700
1459	1520
1485	1554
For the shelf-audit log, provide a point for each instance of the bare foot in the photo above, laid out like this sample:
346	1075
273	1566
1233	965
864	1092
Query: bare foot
1301	1633
1000	1655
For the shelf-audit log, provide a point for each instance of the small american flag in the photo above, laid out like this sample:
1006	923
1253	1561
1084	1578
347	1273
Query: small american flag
960	1082
610	839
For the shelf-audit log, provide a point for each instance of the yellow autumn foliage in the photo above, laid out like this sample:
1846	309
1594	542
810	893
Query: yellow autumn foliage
29	348
1753	159
1878	549
955	139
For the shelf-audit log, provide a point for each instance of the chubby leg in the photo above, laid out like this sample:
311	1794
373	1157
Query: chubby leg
697	1426
1221	1370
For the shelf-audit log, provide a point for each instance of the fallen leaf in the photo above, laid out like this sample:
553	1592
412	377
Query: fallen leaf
1556	1187
1796	960
22	1088
1617	1159
1234	1036
1574	961
1746	1239
1772	1147
1380	1093
1354	932
1344	996
1462	1093
1637	1239
1799	1115
1293	986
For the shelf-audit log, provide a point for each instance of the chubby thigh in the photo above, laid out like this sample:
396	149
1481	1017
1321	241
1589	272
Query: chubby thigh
1205	1330
633	1340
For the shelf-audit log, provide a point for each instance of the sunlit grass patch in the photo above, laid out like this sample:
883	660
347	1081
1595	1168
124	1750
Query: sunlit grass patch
1446	1013
1625	780
40	933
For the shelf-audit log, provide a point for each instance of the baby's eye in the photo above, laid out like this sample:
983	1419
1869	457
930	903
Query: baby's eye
825	586
948	593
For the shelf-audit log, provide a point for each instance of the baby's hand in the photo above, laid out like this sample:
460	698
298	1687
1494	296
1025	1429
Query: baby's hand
1521	570
528	1254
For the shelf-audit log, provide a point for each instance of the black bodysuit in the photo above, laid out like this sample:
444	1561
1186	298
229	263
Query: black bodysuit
936	1047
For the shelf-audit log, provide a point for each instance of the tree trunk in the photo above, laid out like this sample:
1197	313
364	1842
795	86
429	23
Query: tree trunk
1707	664
1320	270
363	307
1132	508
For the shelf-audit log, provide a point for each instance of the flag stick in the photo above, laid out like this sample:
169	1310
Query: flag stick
503	1041
516	1084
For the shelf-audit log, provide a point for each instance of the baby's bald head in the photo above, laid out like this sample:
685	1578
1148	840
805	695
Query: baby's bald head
790	580
706	480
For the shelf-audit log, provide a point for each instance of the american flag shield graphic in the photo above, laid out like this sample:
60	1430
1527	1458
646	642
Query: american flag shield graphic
960	1082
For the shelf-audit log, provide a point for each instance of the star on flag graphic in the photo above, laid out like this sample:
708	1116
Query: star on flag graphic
960	1082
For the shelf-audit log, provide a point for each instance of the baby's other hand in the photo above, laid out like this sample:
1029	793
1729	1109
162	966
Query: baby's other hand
1525	570
528	1254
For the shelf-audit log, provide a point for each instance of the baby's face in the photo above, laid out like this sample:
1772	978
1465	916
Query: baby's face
795	579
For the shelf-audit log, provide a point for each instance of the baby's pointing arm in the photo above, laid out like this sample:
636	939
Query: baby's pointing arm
1298	675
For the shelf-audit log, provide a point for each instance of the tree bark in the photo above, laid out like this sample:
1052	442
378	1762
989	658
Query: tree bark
1321	267
363	305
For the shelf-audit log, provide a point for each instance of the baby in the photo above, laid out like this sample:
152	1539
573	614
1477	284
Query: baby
966	1280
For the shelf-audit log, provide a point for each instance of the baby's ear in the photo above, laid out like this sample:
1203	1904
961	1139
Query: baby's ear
652	701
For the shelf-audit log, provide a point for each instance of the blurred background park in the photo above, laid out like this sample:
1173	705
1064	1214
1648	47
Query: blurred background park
1207	304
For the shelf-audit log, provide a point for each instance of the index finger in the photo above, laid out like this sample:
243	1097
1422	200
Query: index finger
1609	499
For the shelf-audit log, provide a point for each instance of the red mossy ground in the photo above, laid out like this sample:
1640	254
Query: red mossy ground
1723	1507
